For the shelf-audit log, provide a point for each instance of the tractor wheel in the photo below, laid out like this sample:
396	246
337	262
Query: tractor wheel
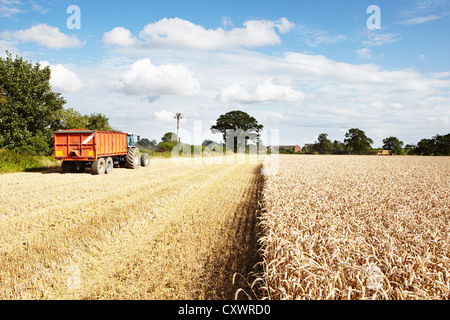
98	167
109	164
145	160
132	159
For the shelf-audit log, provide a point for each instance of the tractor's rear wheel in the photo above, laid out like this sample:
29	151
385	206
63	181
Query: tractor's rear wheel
145	160
132	159
98	167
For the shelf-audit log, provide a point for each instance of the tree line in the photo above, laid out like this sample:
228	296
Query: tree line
357	142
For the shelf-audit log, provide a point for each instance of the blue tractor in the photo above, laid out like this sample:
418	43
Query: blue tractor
133	158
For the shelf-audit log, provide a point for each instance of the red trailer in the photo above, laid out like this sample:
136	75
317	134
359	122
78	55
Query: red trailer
99	150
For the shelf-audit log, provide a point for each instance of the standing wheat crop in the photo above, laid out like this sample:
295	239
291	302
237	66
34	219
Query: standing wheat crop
357	227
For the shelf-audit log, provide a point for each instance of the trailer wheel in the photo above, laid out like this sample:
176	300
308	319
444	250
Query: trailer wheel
66	167
145	160
132	159
98	167
109	164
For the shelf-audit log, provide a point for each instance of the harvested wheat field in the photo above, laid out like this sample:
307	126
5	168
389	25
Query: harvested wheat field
168	231
356	227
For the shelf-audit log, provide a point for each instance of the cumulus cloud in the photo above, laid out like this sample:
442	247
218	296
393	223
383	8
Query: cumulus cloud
62	79
44	35
270	90
144	78
176	32
120	36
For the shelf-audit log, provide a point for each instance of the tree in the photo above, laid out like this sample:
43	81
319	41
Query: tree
147	144
357	142
393	144
425	147
72	119
442	144
169	137
324	145
338	147
30	109
410	149
237	127
98	121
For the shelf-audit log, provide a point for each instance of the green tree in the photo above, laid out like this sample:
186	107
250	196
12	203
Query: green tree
338	147
357	142
425	147
98	121
442	144
147	144
72	119
238	127
324	145
410	149
393	144
29	109
169	137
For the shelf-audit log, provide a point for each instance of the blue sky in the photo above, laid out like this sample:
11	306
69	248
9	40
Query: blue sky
299	67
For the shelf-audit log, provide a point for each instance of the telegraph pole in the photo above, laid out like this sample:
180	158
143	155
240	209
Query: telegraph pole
178	116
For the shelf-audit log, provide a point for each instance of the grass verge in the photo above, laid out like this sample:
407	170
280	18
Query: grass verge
16	161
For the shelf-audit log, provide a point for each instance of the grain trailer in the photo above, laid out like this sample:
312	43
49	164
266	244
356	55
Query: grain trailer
98	150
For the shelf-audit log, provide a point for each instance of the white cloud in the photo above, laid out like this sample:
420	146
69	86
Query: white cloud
164	116
144	78
120	36
44	35
317	37
226	21
364	53
284	25
176	32
377	105
440	75
397	105
380	39
9	8
62	79
270	90
420	20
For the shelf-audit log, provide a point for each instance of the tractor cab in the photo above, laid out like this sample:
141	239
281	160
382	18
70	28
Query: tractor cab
131	141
